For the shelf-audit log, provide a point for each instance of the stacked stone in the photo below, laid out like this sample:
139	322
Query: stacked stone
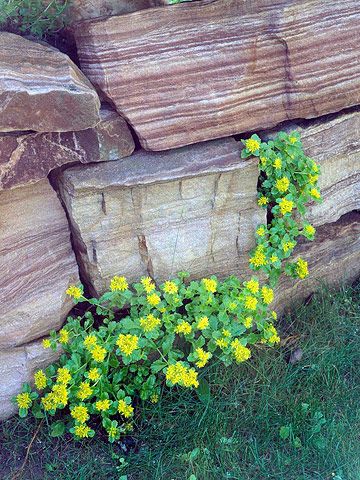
186	78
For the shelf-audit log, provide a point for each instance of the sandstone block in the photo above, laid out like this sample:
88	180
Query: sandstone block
29	157
37	263
203	70
83	9
41	89
156	214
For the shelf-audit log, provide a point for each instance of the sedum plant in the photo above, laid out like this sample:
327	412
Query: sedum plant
132	340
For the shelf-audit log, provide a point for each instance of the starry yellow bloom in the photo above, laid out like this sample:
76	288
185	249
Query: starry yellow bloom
23	400
170	287
267	294
63	376
274	335
222	342
190	378
315	168
82	431
63	336
313	179
277	163
80	413
282	184
252	285
286	206
240	352
203	357
48	402
226	333
274	315
183	327
178	373
59	394
125	409
90	342
263	201
250	302
98	353
261	231
252	145
274	258
292	139
210	285
259	257
46	343
149	323
263	161
148	284
40	380
102	405
314	192
127	343
118	284
302	268
288	246
74	292
113	431
309	230
84	391
154	398
248	322
153	299
203	323
94	374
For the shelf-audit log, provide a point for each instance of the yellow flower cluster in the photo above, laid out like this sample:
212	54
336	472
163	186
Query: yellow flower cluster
82	431
241	353
74	292
250	302
210	285
94	374
267	294
170	287
248	322
113	431
63	336
282	184
203	357
263	201
259	257
288	246
98	353
252	285
177	373
261	231
127	343
58	396
148	284
203	323
286	206
314	192
40	380
63	376
309	230
153	299
125	409
102	405
84	391
46	343
118	284
149	323
302	268
90	342
252	145
183	327
23	400
274	338
277	163
80	413
222	342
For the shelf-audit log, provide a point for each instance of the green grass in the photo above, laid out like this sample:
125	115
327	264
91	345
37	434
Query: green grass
235	433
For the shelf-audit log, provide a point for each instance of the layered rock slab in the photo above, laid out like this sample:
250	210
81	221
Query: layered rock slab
29	157
83	9
333	258
203	70
41	89
37	264
156	214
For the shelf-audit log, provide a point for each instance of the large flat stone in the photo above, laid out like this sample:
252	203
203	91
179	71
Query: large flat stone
203	70
37	263
17	366
41	89
83	9
29	157
189	209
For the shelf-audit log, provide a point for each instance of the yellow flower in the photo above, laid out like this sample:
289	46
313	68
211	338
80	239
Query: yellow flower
82	431
203	357
302	268
313	179
148	284
48	402
309	230
40	380
203	323
274	335
127	343
261	231
232	306
189	379
250	302
46	343
248	322
23	400
153	299
288	246
283	184
64	336
286	206
274	315
315	168
314	192
94	374
183	327
170	287
241	353
277	163
274	258
102	405
263	201
125	409
263	161
222	342
63	376
90	342
292	139
80	413
154	398
210	285
259	257
252	145
252	285
118	284
175	372
226	333
74	292
84	391
98	353
267	294
113	431
59	394
149	323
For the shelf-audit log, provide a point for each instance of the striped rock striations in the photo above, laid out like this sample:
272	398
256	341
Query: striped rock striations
203	70
29	157
41	89
157	214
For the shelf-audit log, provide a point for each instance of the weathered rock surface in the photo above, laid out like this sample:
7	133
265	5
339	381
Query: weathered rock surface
29	157
189	209
41	89
37	263
333	258
18	365
83	9
210	69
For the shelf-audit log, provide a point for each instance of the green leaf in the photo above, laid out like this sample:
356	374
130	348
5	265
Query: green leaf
284	432
203	391
57	429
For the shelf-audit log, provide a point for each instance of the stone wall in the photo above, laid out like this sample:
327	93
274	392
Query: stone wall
86	193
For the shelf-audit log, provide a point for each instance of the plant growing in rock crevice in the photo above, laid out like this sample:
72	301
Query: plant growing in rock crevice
170	332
